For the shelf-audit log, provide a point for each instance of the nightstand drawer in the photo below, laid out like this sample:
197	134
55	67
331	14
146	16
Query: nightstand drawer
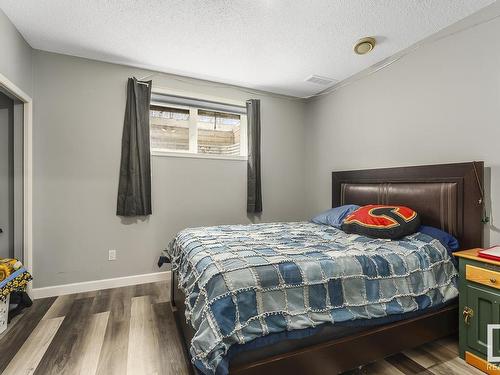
482	276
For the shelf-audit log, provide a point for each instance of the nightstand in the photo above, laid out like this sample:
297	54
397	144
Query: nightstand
479	286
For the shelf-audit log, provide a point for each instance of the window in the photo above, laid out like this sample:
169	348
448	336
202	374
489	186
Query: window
179	130
169	128
218	133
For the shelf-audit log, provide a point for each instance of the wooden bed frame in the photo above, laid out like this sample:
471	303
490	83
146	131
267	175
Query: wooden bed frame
446	196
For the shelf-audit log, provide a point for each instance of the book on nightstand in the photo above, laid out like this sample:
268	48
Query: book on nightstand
492	253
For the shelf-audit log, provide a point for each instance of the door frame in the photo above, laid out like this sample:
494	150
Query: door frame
15	91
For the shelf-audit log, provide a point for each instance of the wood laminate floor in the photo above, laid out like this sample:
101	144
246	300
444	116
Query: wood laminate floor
131	331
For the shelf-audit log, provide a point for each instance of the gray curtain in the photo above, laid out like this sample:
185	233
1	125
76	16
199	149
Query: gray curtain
254	190
134	188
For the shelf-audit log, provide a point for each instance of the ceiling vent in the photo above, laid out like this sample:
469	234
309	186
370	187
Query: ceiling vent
323	81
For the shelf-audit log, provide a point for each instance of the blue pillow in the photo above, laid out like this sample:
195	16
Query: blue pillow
448	241
335	216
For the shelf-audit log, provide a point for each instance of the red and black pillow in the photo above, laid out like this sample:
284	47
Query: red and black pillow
382	221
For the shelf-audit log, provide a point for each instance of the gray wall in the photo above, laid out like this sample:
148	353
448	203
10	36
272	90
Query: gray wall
438	104
78	120
6	177
15	56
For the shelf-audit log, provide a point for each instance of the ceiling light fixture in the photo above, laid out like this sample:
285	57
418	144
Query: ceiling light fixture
364	45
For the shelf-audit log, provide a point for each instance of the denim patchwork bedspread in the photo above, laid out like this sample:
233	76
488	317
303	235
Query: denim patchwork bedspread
246	281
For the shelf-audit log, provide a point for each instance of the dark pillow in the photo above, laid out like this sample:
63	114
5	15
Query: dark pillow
448	241
381	221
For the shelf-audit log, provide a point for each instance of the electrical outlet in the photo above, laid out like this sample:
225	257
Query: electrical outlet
112	255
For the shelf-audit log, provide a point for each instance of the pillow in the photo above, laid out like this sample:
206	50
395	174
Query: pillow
335	216
448	241
381	221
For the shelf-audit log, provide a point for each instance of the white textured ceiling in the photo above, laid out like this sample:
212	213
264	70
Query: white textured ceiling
272	45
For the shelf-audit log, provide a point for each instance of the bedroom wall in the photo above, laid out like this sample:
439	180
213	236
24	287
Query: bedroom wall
438	104
78	120
15	56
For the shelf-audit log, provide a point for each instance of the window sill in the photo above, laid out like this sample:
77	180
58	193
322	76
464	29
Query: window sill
196	156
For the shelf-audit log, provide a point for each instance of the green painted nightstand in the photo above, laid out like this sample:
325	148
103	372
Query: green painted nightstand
479	287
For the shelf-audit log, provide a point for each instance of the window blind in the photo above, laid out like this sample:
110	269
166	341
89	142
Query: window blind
157	98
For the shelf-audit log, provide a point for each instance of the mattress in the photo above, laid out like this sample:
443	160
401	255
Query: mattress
288	341
245	282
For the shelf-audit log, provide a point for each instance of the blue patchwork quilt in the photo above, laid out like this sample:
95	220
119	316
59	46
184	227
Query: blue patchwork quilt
246	281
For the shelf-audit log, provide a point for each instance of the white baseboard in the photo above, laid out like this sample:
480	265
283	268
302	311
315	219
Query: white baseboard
89	286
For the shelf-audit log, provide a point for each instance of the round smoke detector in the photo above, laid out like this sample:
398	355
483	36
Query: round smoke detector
364	45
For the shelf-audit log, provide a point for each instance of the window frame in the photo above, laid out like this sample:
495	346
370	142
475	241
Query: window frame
193	133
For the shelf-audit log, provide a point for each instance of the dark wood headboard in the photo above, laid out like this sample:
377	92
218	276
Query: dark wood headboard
446	196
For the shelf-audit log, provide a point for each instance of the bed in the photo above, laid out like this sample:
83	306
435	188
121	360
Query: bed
402	293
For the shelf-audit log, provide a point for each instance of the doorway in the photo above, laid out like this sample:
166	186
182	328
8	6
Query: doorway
15	173
6	177
11	177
